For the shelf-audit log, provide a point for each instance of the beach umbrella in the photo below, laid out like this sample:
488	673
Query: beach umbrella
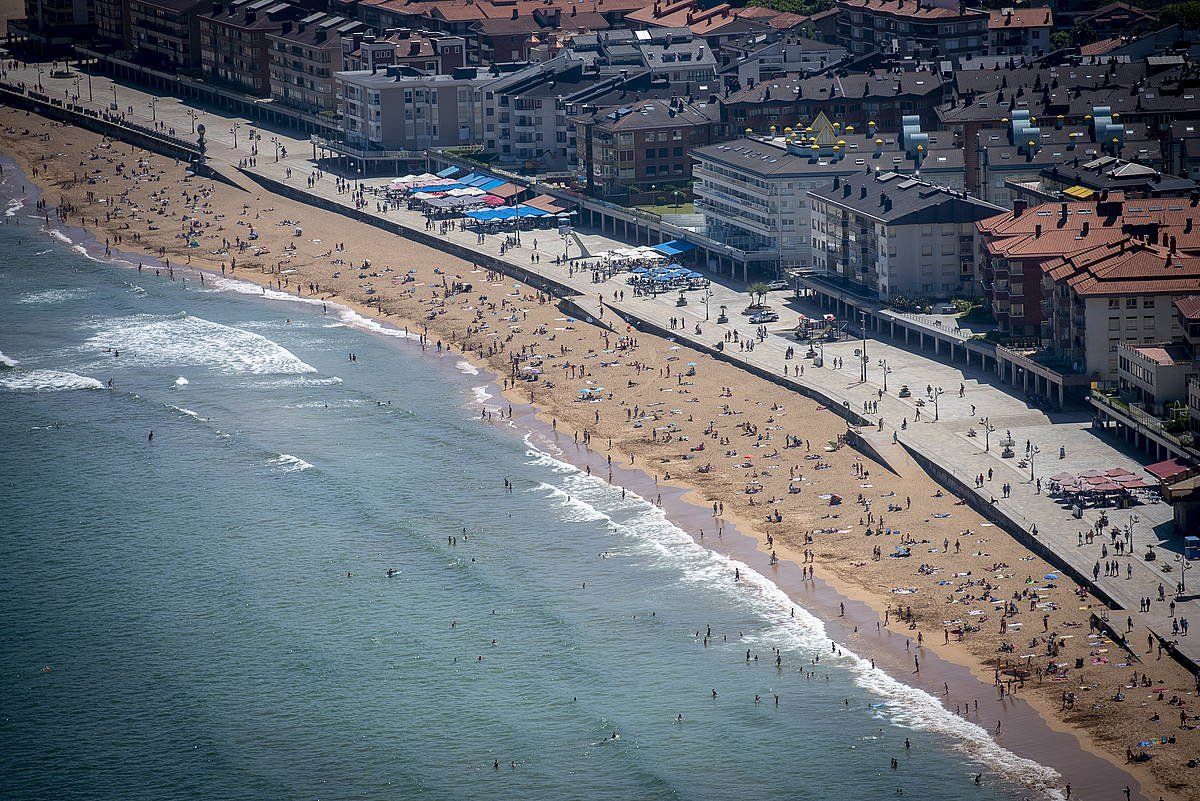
1117	471
1063	477
1107	486
1091	473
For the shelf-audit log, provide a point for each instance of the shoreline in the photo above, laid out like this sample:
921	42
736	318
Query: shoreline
681	508
749	550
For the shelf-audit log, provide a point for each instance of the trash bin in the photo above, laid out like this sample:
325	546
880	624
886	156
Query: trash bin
1191	547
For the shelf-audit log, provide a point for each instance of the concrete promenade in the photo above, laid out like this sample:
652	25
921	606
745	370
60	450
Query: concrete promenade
894	431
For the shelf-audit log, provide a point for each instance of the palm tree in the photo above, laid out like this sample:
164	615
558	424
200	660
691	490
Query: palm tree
757	290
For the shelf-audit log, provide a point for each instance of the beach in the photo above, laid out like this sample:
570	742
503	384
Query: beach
933	574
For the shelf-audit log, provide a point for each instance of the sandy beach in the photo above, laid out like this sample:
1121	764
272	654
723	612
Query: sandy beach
935	576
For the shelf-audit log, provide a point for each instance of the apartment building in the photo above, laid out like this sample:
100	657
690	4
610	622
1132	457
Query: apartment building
1113	294
716	25
753	191
1017	243
895	236
397	108
1187	309
53	24
1020	31
234	50
431	53
305	55
912	27
858	98
166	33
630	150
757	59
668	54
111	19
1022	149
1155	376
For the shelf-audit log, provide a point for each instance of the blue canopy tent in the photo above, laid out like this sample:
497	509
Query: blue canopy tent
506	213
674	247
448	172
437	187
491	183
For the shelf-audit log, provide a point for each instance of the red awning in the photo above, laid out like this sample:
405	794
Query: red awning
1168	469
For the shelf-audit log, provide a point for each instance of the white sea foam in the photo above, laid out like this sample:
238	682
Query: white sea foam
300	381
44	252
60	236
576	511
481	394
345	315
7	362
218	283
14	205
188	412
466	367
180	382
290	464
193	341
82	251
51	296
356	320
46	381
583	496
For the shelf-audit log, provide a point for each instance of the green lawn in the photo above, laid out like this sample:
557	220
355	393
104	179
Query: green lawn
670	208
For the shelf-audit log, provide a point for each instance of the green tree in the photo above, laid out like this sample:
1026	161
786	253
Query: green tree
1060	40
802	7
758	290
1187	15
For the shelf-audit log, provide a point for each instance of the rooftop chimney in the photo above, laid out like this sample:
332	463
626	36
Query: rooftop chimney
1019	207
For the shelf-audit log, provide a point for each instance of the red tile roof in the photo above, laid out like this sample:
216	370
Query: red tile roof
1128	267
1025	18
909	9
1189	306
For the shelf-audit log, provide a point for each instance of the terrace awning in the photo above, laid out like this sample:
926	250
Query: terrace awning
674	247
1167	469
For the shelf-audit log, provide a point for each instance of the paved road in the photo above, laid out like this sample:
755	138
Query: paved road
945	441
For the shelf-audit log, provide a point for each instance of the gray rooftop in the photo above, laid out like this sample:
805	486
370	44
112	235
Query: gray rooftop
896	198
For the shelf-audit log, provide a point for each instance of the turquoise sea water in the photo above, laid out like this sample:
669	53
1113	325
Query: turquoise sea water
178	621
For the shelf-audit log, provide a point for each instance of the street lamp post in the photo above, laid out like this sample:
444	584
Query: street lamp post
234	131
275	141
89	86
153	104
988	428
113	86
707	298
192	113
862	320
884	367
937	393
1133	520
1184	567
1034	450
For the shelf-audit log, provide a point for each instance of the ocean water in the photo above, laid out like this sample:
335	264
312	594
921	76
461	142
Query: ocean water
178	619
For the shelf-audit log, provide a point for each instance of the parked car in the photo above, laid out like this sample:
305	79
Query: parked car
765	317
778	284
